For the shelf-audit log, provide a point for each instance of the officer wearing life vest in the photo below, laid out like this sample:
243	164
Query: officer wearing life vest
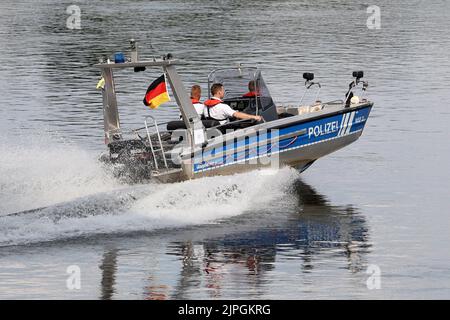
252	92
215	109
196	93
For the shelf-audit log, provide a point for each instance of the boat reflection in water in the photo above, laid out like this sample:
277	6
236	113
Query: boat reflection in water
238	259
108	269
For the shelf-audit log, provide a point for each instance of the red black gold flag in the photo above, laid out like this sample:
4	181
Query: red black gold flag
157	93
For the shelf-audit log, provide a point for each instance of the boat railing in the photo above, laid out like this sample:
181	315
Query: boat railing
152	148
137	130
333	103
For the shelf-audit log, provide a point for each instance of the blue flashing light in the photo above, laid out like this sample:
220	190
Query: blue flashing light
119	57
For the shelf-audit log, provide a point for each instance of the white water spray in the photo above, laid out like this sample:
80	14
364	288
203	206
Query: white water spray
81	200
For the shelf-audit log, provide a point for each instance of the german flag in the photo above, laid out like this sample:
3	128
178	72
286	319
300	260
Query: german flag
157	93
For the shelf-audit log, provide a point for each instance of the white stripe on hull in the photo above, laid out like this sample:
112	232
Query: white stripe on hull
344	119
350	122
346	124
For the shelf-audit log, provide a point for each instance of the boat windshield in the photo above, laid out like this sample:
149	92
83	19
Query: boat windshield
239	82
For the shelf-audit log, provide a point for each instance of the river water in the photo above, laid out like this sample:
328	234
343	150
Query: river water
367	222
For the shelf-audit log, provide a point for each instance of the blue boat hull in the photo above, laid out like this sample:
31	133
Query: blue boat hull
298	143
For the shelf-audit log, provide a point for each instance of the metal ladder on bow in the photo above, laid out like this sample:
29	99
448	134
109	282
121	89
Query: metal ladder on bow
152	148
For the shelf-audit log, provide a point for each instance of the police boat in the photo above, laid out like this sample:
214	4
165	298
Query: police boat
195	147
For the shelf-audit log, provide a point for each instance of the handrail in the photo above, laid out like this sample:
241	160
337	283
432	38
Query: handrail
155	123
308	85
354	85
141	128
151	146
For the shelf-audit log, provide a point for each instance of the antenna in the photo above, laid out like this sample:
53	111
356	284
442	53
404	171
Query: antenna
134	52
135	55
239	66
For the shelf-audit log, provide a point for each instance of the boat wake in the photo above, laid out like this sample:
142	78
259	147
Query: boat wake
37	171
64	193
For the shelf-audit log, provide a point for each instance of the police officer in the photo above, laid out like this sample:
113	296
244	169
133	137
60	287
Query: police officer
196	93
215	109
252	92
